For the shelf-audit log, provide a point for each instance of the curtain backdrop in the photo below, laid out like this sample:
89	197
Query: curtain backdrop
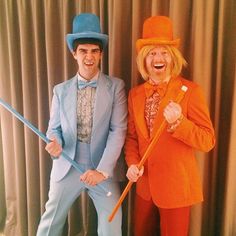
34	57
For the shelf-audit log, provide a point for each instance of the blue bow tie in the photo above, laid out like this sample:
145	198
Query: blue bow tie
83	84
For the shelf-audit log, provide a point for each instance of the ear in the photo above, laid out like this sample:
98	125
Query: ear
74	54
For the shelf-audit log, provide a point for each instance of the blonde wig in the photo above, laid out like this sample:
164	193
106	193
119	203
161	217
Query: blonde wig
177	60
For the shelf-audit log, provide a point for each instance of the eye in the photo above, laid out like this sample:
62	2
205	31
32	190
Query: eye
96	51
151	54
164	53
82	51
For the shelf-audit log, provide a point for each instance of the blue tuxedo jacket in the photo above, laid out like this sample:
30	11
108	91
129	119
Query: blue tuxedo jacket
109	125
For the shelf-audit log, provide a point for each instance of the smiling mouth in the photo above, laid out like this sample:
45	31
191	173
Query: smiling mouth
88	63
159	66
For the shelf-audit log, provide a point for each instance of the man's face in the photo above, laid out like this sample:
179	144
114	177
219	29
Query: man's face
159	63
88	57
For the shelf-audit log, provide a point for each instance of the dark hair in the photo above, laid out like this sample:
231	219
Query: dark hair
87	41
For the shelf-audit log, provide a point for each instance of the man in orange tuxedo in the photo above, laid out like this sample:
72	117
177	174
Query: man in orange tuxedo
169	181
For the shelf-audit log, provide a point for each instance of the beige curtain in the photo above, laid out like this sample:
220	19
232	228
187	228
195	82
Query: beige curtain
34	57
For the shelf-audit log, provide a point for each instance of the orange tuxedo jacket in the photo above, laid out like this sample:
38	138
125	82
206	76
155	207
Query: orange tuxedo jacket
171	176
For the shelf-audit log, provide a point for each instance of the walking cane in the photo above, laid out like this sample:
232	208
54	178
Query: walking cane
146	154
45	139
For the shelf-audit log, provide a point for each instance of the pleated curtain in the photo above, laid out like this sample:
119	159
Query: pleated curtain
34	58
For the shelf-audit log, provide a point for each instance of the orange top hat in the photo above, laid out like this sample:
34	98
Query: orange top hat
157	30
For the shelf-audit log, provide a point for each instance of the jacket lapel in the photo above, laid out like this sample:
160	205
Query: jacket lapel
102	100
69	105
138	101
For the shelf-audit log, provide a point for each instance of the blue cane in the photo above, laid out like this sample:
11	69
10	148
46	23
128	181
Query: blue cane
45	139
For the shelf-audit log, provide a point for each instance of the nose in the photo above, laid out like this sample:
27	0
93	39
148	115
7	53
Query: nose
89	55
159	56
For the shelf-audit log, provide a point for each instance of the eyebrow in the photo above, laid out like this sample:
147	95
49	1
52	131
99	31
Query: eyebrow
95	50
92	50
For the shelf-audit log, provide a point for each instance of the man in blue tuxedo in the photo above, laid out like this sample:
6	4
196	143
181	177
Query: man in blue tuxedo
88	122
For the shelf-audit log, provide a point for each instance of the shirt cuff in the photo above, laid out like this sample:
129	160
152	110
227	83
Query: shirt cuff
172	127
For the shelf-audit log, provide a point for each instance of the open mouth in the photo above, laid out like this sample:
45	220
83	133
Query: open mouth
88	63
159	66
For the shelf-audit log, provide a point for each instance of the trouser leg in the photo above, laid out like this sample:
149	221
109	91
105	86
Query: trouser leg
62	194
104	206
175	222
146	218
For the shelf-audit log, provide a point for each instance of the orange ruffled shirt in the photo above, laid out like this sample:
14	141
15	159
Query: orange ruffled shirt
154	94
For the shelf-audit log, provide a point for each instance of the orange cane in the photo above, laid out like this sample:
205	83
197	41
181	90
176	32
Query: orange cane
146	154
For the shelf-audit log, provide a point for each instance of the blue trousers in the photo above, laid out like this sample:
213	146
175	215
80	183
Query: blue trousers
62	195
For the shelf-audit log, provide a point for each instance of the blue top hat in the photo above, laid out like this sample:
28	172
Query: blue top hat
86	25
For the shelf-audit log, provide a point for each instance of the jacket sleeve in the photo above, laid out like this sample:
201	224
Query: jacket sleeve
54	127
196	129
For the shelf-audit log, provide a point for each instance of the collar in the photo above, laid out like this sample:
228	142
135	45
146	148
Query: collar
95	78
160	88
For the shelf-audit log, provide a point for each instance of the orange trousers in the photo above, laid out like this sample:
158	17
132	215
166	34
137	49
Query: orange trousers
149	220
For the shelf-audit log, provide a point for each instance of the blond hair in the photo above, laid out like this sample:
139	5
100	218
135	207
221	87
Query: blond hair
178	60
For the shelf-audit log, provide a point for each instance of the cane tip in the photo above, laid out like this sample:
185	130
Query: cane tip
184	88
109	194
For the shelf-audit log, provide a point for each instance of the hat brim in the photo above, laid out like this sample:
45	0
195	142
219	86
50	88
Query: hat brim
154	41
70	38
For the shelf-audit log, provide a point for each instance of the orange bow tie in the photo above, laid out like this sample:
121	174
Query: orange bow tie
150	89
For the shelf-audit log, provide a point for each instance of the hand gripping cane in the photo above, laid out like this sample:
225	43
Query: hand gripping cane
45	139
146	154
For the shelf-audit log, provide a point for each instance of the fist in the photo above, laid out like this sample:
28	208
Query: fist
133	173
54	148
172	112
92	177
